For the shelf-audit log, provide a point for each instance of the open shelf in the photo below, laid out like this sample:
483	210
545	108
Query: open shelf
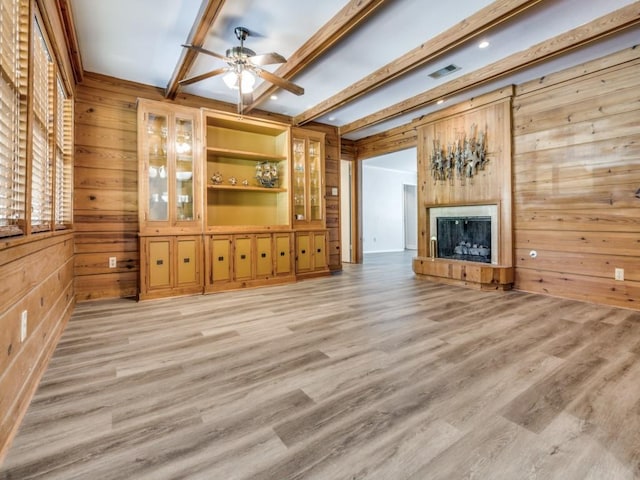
245	155
246	188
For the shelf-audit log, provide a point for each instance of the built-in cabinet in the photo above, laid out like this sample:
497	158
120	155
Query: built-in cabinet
311	253
245	260
307	150
308	179
169	186
172	265
247	172
226	202
169	197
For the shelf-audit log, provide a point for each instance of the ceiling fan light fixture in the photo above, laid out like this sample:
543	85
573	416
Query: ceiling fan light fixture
246	77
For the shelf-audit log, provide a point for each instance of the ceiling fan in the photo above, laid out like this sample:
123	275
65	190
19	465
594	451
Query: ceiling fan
242	65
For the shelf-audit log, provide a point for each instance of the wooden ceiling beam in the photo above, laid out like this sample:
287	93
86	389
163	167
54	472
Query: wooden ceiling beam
348	18
477	24
604	26
208	13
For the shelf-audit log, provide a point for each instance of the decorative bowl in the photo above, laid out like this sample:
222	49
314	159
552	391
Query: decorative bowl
182	176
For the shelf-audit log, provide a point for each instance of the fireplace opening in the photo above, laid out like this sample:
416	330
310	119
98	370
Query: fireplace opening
464	238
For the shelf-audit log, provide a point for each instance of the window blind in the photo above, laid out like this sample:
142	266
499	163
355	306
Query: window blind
64	158
42	158
13	68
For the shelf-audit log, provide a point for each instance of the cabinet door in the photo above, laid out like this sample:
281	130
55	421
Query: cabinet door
187	261
184	169
221	259
169	180
308	178
319	251
156	175
159	263
316	210
264	257
299	180
283	254
303	252
242	261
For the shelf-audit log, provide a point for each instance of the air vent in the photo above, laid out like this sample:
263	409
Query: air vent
444	71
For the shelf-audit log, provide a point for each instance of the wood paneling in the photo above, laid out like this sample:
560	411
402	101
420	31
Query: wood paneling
400	138
106	198
576	182
576	178
38	279
36	273
105	201
491	186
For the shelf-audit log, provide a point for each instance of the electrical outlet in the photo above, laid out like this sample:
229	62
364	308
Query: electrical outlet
23	325
619	274
112	262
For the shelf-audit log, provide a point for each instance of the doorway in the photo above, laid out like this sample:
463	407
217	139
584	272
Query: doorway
389	204
410	217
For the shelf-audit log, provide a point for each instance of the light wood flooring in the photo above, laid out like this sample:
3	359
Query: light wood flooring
369	374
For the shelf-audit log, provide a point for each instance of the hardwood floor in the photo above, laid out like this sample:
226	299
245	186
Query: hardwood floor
369	374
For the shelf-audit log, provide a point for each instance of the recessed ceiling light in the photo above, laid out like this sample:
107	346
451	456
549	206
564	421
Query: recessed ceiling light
483	44
331	119
440	102
274	97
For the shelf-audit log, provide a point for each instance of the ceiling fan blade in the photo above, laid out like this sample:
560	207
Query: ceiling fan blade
280	82
267	59
207	52
197	78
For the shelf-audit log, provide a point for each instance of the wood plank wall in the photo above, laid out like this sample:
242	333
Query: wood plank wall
489	186
106	203
577	182
105	200
37	278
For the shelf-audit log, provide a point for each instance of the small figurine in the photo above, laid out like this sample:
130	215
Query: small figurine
233	180
216	178
245	182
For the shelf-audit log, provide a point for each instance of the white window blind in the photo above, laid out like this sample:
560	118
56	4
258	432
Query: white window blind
13	68
64	158
42	158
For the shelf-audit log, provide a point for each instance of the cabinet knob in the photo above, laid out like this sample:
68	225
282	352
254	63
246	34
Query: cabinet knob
263	255
282	254
242	257
159	262
221	259
303	252
186	260
319	250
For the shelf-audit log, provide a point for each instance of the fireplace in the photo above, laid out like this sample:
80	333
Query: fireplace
465	232
464	238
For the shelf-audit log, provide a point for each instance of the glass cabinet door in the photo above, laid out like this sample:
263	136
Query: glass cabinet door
299	181
184	170
157	130
315	180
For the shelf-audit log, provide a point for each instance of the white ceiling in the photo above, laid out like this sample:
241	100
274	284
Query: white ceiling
139	40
